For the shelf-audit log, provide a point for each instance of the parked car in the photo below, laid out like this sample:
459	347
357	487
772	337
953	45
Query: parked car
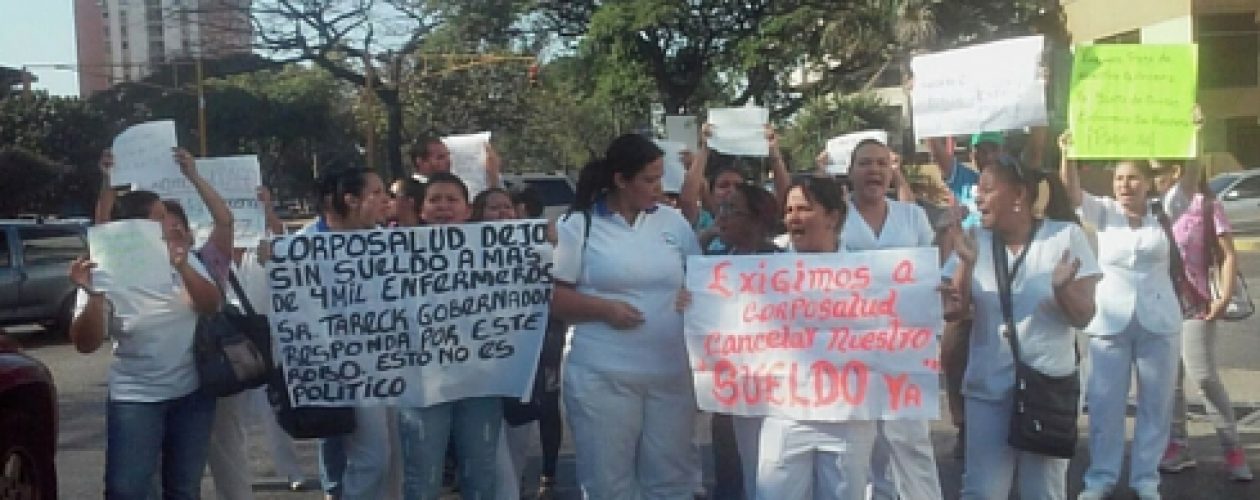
1239	193
556	190
34	258
28	426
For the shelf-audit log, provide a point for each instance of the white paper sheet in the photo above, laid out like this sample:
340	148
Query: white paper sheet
684	130
143	156
675	171
739	131
986	88
840	149
468	159
131	252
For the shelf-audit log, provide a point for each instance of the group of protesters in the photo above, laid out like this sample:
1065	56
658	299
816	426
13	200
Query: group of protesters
615	359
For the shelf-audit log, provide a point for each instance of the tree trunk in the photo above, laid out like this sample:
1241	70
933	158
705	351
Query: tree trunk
393	133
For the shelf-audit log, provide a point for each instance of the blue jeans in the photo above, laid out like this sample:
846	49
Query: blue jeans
474	423
139	436
332	464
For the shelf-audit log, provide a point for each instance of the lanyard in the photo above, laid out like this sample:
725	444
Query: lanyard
1004	277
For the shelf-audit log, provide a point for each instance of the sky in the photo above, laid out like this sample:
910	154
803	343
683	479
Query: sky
40	32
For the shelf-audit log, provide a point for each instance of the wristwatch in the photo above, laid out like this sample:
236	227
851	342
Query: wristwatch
90	292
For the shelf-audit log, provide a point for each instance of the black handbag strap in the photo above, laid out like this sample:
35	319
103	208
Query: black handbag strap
240	293
1004	277
1177	269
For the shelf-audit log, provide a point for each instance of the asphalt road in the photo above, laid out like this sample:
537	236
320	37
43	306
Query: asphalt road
81	394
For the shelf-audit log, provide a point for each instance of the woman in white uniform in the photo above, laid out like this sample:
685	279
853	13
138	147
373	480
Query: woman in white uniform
363	464
903	452
618	267
1053	276
800	459
1137	327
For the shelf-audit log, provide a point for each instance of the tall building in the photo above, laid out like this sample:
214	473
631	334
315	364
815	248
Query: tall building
124	40
1228	35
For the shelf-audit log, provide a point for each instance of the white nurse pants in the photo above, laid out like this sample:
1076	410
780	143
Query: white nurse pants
903	462
1155	358
992	466
632	433
814	460
228	457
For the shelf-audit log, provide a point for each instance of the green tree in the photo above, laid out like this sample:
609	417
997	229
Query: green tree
829	116
58	135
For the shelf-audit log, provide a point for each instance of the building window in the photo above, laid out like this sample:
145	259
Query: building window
1229	50
1131	36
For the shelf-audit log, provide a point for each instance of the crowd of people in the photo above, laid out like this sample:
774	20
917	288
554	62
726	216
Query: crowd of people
1029	258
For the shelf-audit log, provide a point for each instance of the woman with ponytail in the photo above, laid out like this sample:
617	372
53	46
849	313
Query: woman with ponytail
618	269
1052	275
1205	239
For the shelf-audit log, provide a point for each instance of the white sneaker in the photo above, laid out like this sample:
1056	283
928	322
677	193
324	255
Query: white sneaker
1094	494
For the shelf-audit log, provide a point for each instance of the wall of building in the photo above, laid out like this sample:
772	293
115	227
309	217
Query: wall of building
93	55
1093	19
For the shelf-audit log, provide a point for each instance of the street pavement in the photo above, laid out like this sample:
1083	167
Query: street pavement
81	394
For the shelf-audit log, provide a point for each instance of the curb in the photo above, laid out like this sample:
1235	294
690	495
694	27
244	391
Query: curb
1247	244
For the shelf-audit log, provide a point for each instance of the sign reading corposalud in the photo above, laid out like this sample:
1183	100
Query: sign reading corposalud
410	317
825	337
1134	101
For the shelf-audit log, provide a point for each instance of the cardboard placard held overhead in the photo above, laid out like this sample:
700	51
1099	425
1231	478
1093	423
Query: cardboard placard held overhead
739	131
990	87
143	155
675	171
684	130
468	159
1134	101
840	149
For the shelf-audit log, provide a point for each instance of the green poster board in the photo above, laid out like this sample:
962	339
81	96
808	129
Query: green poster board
1133	101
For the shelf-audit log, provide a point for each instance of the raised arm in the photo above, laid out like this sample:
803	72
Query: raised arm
1068	170
221	234
1075	295
105	199
693	186
904	192
87	330
204	294
274	224
782	178
493	165
941	150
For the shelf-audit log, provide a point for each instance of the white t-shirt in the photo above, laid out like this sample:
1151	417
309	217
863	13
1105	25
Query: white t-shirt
905	225
1135	263
640	264
1045	336
153	352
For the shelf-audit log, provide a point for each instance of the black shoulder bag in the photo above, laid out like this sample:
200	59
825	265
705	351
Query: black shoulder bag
298	422
224	348
1043	420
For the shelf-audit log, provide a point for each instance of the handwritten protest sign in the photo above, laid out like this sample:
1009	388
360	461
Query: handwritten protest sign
131	253
142	154
1133	101
739	131
840	149
468	159
674	170
684	130
413	317
990	87
828	337
236	178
